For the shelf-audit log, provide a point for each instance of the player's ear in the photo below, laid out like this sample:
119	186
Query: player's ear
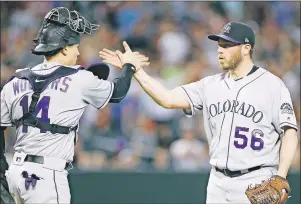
246	49
64	51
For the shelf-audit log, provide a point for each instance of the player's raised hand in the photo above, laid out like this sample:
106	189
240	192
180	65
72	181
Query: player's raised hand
129	57
111	57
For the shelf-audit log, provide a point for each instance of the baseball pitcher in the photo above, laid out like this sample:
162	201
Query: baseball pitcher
248	116
45	104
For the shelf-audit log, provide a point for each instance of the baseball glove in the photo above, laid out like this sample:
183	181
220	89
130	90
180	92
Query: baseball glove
275	190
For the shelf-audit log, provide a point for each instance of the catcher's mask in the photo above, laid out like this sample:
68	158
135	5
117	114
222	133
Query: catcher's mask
60	28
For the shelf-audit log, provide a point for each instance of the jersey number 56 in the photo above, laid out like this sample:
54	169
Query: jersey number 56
241	140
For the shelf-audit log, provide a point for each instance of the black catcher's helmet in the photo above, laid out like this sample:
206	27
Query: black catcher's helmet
60	28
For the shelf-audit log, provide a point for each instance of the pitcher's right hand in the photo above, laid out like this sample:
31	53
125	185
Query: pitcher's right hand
118	59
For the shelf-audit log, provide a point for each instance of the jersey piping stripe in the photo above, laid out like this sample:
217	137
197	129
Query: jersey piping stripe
254	68
234	114
289	124
57	194
188	96
220	133
276	129
190	102
199	107
109	96
226	84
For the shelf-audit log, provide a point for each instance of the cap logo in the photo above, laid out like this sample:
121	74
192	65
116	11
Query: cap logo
227	28
247	40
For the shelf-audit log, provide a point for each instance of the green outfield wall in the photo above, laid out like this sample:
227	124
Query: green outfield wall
148	188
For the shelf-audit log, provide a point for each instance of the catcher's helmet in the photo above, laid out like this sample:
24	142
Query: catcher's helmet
60	28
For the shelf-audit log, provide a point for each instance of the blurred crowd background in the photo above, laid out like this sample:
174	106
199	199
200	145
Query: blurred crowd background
137	134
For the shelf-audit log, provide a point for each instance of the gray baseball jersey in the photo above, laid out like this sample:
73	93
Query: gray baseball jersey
243	119
63	103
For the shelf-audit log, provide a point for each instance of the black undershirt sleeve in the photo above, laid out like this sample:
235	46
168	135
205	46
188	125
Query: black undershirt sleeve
122	84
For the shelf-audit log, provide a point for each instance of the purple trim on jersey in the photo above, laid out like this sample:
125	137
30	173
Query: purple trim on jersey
220	133
185	111
226	84
199	108
254	69
11	78
193	106
234	114
288	124
109	96
276	129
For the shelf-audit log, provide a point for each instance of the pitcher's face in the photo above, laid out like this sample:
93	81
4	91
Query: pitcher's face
229	54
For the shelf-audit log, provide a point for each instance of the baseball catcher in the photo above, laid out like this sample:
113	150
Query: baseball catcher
61	90
275	190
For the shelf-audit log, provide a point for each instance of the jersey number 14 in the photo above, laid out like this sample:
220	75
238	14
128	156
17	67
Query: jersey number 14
43	106
241	140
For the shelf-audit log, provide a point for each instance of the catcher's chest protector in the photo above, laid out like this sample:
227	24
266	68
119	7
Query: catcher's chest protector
39	84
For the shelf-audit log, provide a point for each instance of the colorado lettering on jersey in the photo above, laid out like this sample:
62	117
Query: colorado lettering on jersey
235	106
61	84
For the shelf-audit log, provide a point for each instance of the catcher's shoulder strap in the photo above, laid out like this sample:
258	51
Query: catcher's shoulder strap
39	84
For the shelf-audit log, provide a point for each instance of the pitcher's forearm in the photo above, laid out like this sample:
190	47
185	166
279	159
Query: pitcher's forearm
154	89
289	144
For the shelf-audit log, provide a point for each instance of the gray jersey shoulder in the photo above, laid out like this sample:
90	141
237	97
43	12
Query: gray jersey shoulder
195	92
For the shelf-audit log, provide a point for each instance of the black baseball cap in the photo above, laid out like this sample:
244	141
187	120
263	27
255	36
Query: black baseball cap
236	32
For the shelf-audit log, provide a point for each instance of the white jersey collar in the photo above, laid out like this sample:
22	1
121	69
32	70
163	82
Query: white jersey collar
51	65
245	80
